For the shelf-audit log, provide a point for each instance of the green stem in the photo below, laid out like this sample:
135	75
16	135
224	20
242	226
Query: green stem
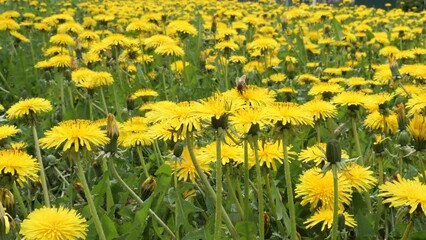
408	228
289	187
218	213
357	142
90	107
175	179
157	151
163	78
379	199
42	173
422	167
272	204
60	78
103	99
89	197
139	200
207	185
109	198
232	191
335	202
259	189
317	127
17	195
246	187
142	160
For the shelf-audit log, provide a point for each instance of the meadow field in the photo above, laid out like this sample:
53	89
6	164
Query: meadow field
201	119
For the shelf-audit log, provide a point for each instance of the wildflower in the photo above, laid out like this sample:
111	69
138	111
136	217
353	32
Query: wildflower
185	169
62	39
381	122
8	24
316	188
361	178
144	93
321	109
417	129
316	153
18	164
75	134
289	114
404	192
307	78
7	131
19	37
325	215
252	95
158	40
170	49
229	153
237	59
134	133
250	120
417	104
28	107
263	44
54	223
182	28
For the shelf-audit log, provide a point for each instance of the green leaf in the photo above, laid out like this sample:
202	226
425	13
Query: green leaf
337	27
246	230
365	226
139	222
183	209
301	50
281	209
109	227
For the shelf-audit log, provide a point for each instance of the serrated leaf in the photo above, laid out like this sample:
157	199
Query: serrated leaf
109	227
246	230
139	222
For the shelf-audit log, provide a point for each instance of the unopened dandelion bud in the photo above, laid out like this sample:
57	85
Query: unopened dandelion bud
7	198
213	28
178	149
112	133
393	64
148	187
402	119
403	138
333	151
378	145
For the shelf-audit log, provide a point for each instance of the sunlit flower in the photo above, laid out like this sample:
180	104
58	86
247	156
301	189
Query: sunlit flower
181	27
25	108
185	169
54	223
18	164
290	114
361	178
404	192
7	131
316	153
62	39
325	215
252	95
417	129
320	109
74	134
237	59
250	120
349	99
229	153
19	36
143	93
321	88
316	188
417	104
170	49
263	44
7	24
134	133
158	40
378	121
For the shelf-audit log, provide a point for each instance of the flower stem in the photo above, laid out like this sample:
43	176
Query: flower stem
232	191
42	173
272	204
142	160
357	142
17	195
218	211
408	229
379	199
317	127
109	198
89	198
259	189
246	186
289	187
335	202
103	99
139	200
208	187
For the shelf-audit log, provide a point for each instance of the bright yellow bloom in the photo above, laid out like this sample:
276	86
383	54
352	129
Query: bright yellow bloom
144	92
134	133
170	49
321	109
18	164
230	153
325	215
316	188
316	153
288	113
54	224
185	168
405	192
74	134
250	120
24	108
7	131
362	179
378	121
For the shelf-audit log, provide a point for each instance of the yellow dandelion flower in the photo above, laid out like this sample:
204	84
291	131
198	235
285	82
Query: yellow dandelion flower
7	131
182	28
307	78
378	121
417	104
229	153
404	192
249	120
158	40
7	24
62	39
349	98
252	95
74	134
316	188
227	46
134	133
143	93
54	223
18	164
320	109
185	169
322	88
19	36
289	114
417	129
325	215
263	44
25	108
316	153
60	61
237	59
170	49
361	178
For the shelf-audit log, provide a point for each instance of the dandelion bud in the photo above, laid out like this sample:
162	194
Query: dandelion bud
394	67
213	28
178	149
402	120
403	138
378	145
6	198
148	187
4	221
333	151
112	133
